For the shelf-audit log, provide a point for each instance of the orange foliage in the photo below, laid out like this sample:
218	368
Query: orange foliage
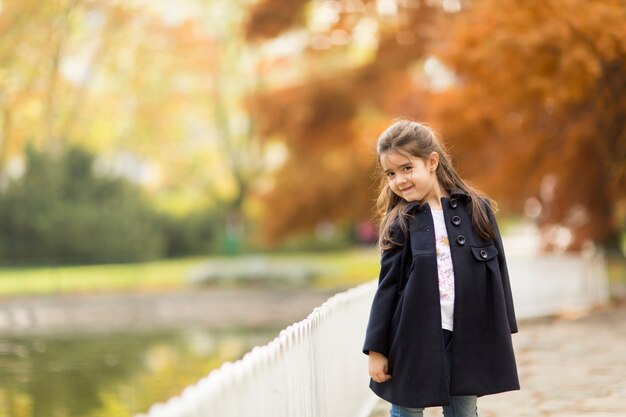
542	93
539	98
268	18
330	124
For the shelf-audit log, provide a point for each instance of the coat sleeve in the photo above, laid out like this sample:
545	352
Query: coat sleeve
504	273
386	297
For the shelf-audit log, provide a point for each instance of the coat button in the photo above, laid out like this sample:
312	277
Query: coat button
453	203
460	240
483	254
456	220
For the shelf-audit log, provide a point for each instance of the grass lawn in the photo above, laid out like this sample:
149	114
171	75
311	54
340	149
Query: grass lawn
166	274
340	270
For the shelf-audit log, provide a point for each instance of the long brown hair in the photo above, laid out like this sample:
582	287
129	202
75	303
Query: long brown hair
420	141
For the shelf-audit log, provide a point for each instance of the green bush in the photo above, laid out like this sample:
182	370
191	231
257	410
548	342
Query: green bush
194	234
60	211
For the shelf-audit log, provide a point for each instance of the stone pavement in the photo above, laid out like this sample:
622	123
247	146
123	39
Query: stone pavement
568	367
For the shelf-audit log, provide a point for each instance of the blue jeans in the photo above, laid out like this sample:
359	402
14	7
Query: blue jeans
460	406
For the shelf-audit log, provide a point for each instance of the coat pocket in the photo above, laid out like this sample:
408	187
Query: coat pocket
484	253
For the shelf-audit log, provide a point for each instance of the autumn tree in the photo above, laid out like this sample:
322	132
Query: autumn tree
541	91
155	89
50	55
533	108
356	66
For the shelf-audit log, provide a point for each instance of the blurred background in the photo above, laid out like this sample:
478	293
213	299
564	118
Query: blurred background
224	147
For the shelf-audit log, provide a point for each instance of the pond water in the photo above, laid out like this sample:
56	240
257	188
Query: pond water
112	375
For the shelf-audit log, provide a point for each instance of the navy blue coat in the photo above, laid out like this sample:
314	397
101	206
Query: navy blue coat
405	318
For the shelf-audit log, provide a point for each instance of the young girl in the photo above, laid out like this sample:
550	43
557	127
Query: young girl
440	325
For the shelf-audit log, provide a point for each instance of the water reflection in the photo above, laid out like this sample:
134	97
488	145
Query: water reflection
114	374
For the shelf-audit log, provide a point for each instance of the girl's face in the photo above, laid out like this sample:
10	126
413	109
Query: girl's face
410	177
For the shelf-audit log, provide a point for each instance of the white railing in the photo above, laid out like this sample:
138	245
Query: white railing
314	368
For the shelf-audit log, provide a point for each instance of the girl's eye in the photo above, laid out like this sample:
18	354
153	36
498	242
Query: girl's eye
405	169
389	174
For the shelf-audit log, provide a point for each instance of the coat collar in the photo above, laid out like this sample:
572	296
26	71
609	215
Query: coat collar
457	192
454	193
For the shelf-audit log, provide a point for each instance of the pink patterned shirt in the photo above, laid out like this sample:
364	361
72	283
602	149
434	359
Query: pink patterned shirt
445	270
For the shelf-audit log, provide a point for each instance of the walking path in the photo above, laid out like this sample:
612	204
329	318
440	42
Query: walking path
568	367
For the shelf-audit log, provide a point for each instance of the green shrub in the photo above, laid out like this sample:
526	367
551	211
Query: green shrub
194	234
60	211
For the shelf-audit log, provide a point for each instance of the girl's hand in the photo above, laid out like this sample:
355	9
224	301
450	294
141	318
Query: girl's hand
378	367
